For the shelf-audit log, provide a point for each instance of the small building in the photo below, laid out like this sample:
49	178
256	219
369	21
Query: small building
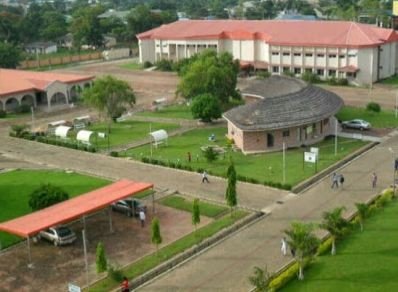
282	109
45	89
41	48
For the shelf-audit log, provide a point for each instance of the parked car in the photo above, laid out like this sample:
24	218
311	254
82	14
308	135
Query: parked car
59	235
356	124
127	206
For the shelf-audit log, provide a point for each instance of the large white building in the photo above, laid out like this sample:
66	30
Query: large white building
359	52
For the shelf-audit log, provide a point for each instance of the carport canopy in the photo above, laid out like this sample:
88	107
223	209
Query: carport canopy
74	208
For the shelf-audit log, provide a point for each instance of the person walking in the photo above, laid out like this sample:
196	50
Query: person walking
284	246
204	177
341	180
125	285
335	180
293	252
142	218
374	180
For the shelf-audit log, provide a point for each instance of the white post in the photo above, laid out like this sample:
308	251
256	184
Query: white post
150	131
85	258
30	264
284	161
335	137
33	118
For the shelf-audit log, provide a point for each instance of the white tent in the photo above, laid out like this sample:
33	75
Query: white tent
159	137
84	136
62	131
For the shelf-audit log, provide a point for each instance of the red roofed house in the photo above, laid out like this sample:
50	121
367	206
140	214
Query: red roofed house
18	87
359	52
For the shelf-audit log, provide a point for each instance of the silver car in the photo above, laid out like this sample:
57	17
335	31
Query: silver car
128	207
59	235
356	124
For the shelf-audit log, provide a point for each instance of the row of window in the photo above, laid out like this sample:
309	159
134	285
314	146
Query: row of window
297	71
310	55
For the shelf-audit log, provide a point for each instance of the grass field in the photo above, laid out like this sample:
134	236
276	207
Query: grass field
16	186
152	260
383	119
128	131
181	203
365	261
170	112
262	167
131	66
393	80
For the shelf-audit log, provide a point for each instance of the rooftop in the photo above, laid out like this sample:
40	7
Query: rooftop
15	81
284	102
277	32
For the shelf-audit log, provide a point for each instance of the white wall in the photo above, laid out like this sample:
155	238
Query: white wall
147	50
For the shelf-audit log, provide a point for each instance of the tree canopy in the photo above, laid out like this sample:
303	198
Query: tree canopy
335	224
206	108
10	55
46	195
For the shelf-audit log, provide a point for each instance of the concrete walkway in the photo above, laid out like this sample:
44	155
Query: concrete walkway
227	266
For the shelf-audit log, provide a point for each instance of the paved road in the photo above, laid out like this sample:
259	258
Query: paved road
227	266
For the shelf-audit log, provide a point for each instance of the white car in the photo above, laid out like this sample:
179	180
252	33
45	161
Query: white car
59	235
356	124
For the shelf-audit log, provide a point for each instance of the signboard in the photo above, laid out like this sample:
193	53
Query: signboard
310	157
73	288
395	8
314	150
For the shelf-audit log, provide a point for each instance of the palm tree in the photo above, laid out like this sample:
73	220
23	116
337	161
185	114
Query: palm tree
362	213
260	279
335	224
301	239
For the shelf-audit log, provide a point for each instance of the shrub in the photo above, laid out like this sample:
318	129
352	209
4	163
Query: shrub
325	246
23	109
3	114
288	73
310	77
114	153
19	130
342	81
263	74
164	65
115	273
46	195
332	81
147	64
284	277
210	154
373	107
100	260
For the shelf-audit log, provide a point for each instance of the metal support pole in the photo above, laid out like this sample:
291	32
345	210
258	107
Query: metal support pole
33	118
335	138
84	222
153	201
284	162
30	264
85	258
110	219
396	105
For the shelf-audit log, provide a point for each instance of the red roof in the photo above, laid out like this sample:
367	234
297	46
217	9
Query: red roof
349	69
74	208
15	81
277	32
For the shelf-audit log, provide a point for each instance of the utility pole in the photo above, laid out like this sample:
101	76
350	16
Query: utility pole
335	137
284	161
85	259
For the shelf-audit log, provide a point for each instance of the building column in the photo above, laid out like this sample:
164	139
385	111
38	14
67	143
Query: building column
168	51
185	52
196	48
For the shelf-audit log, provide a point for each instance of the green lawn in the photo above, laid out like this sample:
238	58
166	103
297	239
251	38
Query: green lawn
171	112
16	186
131	66
262	167
393	80
181	203
383	119
152	260
128	131
365	261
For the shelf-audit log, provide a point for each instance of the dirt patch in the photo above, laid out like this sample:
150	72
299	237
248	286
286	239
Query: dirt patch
55	267
375	132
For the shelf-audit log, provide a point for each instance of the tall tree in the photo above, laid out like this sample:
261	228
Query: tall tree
110	97
212	74
195	212
100	259
230	194
54	26
260	279
9	55
362	213
156	237
335	224
206	108
301	239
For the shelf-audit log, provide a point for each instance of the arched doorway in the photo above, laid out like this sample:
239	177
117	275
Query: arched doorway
11	104
1	106
87	85
75	93
58	99
270	140
28	100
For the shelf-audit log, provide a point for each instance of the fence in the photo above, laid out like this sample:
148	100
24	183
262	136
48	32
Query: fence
53	61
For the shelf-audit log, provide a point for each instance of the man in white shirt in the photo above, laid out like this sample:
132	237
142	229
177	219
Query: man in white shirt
142	218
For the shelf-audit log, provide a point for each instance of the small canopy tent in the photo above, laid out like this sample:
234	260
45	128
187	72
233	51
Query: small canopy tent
83	136
158	137
62	131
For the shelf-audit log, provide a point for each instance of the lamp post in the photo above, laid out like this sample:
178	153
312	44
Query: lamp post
284	161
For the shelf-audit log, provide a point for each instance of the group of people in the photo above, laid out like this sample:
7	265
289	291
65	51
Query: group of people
338	180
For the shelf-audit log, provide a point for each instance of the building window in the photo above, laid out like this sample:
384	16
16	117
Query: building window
286	54
321	55
308	70
342	56
309	55
297	71
352	55
320	72
332	73
270	140
275	69
275	53
333	56
325	122
297	54
352	74
286	69
286	133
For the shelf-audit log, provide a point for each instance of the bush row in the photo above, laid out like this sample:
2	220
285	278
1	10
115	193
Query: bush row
279	280
178	165
53	141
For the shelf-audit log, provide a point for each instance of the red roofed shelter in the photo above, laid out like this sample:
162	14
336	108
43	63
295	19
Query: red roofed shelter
80	206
